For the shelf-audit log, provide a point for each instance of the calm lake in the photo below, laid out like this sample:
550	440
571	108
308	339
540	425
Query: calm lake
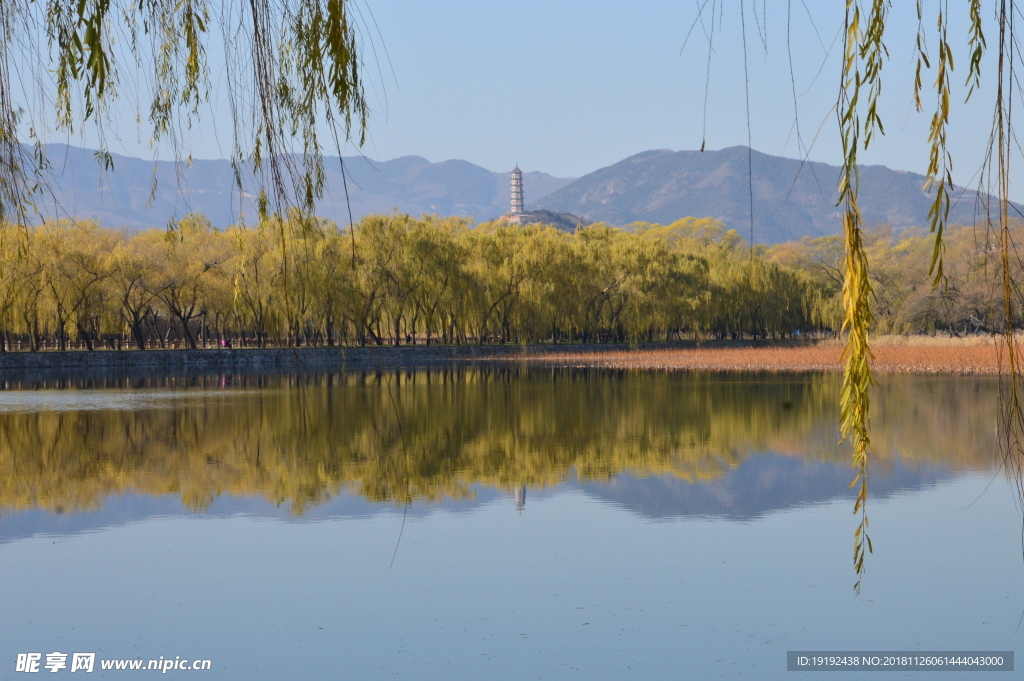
498	523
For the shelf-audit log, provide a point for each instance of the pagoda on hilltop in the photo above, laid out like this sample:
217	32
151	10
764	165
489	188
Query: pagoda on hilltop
517	196
566	222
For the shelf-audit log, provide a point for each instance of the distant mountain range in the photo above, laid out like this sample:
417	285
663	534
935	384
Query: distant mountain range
411	184
791	200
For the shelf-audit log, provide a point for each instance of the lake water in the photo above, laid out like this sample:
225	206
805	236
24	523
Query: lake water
498	523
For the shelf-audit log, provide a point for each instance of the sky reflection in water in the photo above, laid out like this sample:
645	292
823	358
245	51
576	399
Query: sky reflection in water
601	525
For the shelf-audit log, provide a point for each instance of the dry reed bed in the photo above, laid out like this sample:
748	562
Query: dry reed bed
986	358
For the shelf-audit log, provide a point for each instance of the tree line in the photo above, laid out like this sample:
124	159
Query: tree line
297	280
967	299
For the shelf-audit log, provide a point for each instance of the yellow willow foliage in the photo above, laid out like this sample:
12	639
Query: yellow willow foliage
299	280
430	435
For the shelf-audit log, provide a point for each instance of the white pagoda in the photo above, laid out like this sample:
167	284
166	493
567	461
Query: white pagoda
517	194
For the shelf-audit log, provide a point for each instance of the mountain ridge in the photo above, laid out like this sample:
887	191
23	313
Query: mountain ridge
124	197
792	199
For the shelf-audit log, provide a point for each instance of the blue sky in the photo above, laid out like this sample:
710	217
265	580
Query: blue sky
569	86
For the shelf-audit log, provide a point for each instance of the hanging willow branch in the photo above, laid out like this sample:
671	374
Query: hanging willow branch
859	121
1002	137
292	70
16	162
864	54
940	162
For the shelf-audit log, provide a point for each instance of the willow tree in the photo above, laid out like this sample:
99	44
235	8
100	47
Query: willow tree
292	68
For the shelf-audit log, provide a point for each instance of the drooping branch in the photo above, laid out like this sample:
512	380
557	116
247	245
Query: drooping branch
292	68
863	57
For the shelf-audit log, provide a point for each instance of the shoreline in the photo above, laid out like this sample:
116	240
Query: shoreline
776	356
965	360
268	358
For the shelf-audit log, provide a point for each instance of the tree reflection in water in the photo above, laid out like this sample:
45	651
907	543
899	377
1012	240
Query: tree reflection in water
298	440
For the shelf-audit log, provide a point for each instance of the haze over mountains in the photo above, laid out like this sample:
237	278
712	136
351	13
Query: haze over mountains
790	200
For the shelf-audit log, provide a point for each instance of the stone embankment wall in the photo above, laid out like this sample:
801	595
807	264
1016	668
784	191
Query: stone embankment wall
56	365
272	358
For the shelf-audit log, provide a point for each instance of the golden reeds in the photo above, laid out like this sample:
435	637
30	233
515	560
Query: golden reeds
922	356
